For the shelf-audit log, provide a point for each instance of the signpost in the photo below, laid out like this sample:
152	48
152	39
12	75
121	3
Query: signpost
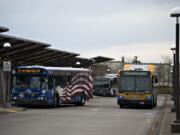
7	66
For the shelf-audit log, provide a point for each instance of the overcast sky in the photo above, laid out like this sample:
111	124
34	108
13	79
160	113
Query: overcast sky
111	28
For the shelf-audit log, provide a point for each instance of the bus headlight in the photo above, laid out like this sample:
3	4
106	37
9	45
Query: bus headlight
43	92
121	97
41	98
149	98
21	95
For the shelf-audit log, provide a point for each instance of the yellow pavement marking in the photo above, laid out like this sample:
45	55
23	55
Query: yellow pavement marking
11	110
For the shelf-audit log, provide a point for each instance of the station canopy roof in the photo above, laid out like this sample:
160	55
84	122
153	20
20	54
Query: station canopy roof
3	29
28	52
82	62
100	59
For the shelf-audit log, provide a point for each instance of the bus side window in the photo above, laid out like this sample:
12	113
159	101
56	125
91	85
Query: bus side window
69	78
60	81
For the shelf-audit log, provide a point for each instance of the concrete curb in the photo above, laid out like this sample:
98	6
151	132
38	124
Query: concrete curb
168	119
156	125
11	110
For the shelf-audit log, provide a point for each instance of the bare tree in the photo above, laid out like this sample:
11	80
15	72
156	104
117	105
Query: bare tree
135	60
128	60
166	59
132	60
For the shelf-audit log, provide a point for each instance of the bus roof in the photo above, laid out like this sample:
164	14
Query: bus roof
140	67
134	73
71	69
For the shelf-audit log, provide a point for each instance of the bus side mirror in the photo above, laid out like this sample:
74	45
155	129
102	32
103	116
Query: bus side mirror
156	80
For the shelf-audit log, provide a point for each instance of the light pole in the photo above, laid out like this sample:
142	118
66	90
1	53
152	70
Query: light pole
175	126
173	48
6	69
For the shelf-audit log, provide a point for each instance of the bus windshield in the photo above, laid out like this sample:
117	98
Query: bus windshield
101	84
137	84
127	83
38	82
21	81
34	82
142	84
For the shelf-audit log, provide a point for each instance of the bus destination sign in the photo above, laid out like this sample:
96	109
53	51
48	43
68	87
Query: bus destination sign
134	73
28	71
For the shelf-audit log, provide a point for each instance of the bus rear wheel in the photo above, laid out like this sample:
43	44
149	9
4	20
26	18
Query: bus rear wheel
82	100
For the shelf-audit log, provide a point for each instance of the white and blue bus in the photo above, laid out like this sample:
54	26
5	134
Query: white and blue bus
52	86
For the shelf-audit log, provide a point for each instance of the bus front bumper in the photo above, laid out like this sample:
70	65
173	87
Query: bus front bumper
135	102
30	102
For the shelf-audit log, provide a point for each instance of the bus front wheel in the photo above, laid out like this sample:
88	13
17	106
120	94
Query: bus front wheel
155	104
56	101
121	106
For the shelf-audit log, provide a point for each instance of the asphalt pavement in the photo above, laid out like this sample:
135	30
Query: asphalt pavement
100	116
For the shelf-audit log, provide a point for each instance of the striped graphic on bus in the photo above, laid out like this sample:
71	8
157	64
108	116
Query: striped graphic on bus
81	82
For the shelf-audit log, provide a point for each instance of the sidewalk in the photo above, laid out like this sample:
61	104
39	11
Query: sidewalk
168	118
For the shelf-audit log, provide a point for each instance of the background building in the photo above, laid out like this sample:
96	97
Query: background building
163	70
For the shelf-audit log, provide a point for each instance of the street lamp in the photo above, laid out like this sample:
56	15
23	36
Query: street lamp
6	69
173	48
108	70
175	126
7	45
78	64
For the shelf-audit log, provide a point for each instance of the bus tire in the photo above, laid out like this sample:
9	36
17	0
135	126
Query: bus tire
56	101
151	106
155	104
121	106
82	101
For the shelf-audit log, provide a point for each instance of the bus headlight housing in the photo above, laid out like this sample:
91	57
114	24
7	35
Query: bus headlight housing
41	98
43	92
121	97
149	98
